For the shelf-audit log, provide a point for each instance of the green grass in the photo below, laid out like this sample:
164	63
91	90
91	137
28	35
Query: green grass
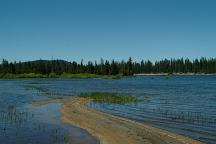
87	75
53	75
109	97
35	83
81	75
25	75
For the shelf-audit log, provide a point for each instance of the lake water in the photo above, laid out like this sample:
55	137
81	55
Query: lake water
182	104
21	123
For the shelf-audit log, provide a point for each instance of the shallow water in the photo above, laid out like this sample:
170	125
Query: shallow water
21	123
181	104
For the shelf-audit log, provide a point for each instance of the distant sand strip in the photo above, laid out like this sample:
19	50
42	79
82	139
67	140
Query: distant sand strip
111	129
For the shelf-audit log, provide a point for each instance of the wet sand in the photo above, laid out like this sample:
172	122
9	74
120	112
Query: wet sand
111	129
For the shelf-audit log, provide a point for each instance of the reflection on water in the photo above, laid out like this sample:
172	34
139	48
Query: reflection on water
182	104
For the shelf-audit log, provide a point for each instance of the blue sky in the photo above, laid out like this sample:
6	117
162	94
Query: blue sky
112	29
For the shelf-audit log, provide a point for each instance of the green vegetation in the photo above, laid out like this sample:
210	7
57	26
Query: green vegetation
166	77
88	75
25	75
43	91
35	83
109	97
104	69
53	75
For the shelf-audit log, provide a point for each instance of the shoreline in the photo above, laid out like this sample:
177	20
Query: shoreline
176	74
88	75
64	75
152	74
110	129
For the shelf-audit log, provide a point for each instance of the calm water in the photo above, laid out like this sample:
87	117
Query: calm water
182	104
21	123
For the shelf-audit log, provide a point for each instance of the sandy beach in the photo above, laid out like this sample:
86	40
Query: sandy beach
111	129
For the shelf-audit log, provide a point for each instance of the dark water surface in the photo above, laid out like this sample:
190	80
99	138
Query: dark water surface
181	104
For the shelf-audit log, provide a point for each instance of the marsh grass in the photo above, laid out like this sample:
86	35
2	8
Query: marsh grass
39	89
109	97
166	77
13	120
43	91
38	83
63	75
145	97
56	94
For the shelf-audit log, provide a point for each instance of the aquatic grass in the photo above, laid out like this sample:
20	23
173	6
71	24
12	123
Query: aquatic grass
57	94
188	117
39	89
166	77
12	115
118	76
35	83
109	97
14	119
145	97
43	91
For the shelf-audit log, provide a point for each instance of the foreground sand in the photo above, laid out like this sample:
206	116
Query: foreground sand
111	129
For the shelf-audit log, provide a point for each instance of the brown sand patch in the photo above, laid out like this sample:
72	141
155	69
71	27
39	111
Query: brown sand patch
111	129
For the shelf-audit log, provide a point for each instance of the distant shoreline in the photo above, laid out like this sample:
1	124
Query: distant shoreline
168	74
63	75
88	75
152	74
106	69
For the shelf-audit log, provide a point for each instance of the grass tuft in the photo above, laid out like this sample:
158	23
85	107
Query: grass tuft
109	97
38	83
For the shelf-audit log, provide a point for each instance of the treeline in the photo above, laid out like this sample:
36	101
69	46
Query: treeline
105	67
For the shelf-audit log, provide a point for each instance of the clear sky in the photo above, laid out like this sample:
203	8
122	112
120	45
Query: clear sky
91	29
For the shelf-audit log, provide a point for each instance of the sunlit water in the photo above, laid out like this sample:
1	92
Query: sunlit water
181	104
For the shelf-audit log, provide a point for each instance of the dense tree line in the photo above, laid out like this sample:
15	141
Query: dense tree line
105	67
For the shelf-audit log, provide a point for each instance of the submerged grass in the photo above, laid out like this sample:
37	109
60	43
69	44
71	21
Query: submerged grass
109	97
43	91
39	89
35	83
